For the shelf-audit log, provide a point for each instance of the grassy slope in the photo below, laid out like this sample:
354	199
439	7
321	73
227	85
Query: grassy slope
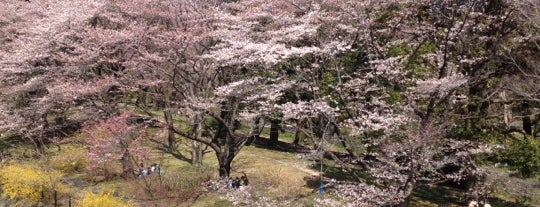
277	174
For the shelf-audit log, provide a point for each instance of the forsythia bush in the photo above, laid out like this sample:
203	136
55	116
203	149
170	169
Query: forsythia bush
27	184
104	199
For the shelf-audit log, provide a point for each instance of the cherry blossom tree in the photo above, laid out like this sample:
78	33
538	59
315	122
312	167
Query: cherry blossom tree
163	47
26	66
116	138
412	69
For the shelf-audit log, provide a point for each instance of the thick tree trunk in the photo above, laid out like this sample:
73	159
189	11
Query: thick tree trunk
274	131
527	125
225	139
225	160
224	170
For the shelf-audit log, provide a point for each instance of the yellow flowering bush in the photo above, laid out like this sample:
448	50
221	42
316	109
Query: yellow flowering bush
104	199
28	184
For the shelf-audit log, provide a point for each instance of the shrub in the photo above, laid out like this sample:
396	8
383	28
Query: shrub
524	156
29	185
104	199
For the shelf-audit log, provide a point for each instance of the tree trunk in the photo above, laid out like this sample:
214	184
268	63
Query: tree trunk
507	113
196	147
255	131
408	188
225	139
127	166
225	160
527	125
39	146
170	137
274	132
299	135
167	112
526	120
196	154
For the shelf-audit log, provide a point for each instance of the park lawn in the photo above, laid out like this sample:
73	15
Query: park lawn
275	174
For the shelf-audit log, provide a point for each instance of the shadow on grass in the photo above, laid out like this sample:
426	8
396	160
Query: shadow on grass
444	196
176	154
440	195
332	170
497	202
10	141
313	182
281	146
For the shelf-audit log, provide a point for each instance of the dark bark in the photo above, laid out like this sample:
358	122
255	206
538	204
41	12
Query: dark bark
297	136
225	139
128	168
224	169
171	141
274	131
527	125
169	119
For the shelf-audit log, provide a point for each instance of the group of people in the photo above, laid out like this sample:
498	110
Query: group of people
154	168
237	182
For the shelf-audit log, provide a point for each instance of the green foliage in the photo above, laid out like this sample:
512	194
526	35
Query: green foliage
353	59
387	14
524	156
419	71
399	50
104	199
393	97
28	184
416	68
426	48
329	79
